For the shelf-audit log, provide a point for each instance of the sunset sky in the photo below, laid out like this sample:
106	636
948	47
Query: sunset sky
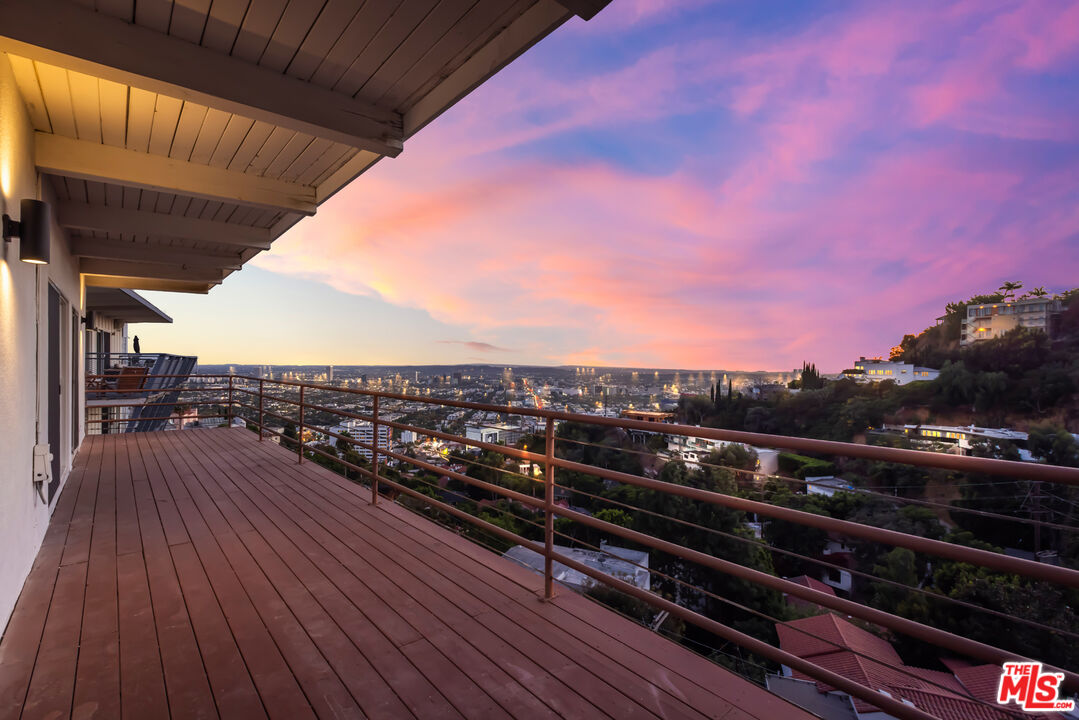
692	185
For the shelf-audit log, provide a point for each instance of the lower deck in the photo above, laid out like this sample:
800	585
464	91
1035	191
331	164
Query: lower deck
203	574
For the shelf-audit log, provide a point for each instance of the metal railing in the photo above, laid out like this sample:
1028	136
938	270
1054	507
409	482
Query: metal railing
98	362
149	402
257	399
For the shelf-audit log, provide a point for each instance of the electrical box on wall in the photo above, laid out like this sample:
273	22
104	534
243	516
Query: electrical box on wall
42	464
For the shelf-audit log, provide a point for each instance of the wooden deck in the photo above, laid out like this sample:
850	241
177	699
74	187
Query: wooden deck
204	574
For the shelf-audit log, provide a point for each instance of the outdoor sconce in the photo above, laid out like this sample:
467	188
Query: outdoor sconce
32	230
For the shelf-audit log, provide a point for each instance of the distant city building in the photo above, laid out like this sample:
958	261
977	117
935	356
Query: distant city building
364	432
500	433
991	320
901	373
630	566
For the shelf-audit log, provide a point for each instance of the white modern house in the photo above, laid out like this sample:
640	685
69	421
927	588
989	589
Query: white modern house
901	373
147	147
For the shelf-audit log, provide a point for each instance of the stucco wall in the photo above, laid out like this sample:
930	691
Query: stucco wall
24	350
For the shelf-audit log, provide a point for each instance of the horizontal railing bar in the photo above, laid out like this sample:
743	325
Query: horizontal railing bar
191	403
190	376
974	556
195	419
926	633
145	392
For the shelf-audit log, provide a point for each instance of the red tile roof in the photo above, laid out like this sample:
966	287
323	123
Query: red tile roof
980	681
828	633
811	583
948	706
954	664
873	662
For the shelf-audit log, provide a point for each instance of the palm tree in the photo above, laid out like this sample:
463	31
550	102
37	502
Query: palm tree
1009	288
1039	292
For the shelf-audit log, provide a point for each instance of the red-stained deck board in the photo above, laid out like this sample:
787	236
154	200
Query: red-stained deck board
204	574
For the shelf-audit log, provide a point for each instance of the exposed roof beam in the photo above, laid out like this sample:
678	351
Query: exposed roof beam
525	31
91	161
141	252
530	27
63	33
123	268
134	283
152	224
584	9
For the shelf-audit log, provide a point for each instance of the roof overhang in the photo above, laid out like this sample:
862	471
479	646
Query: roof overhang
181	144
125	305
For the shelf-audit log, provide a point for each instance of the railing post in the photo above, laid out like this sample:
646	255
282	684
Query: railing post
299	437
230	400
374	453
548	509
260	411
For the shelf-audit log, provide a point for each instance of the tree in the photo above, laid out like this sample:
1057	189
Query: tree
1054	445
899	565
810	378
290	436
615	517
1008	289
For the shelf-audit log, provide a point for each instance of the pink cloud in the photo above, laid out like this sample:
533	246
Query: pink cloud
785	244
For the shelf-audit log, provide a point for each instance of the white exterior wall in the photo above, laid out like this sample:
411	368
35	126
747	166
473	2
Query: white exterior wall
24	353
898	372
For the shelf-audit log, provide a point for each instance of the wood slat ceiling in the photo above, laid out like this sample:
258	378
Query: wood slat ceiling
411	60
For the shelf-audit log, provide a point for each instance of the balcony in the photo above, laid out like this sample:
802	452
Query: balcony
227	573
204	573
133	392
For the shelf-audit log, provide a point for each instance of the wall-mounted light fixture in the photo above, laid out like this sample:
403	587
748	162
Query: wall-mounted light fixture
32	229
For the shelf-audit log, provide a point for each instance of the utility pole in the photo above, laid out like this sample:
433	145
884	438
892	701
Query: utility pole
1037	515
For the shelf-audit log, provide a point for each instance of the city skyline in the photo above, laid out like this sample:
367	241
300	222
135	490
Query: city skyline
688	185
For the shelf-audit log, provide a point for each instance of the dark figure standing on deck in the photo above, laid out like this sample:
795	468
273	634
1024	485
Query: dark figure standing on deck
135	344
